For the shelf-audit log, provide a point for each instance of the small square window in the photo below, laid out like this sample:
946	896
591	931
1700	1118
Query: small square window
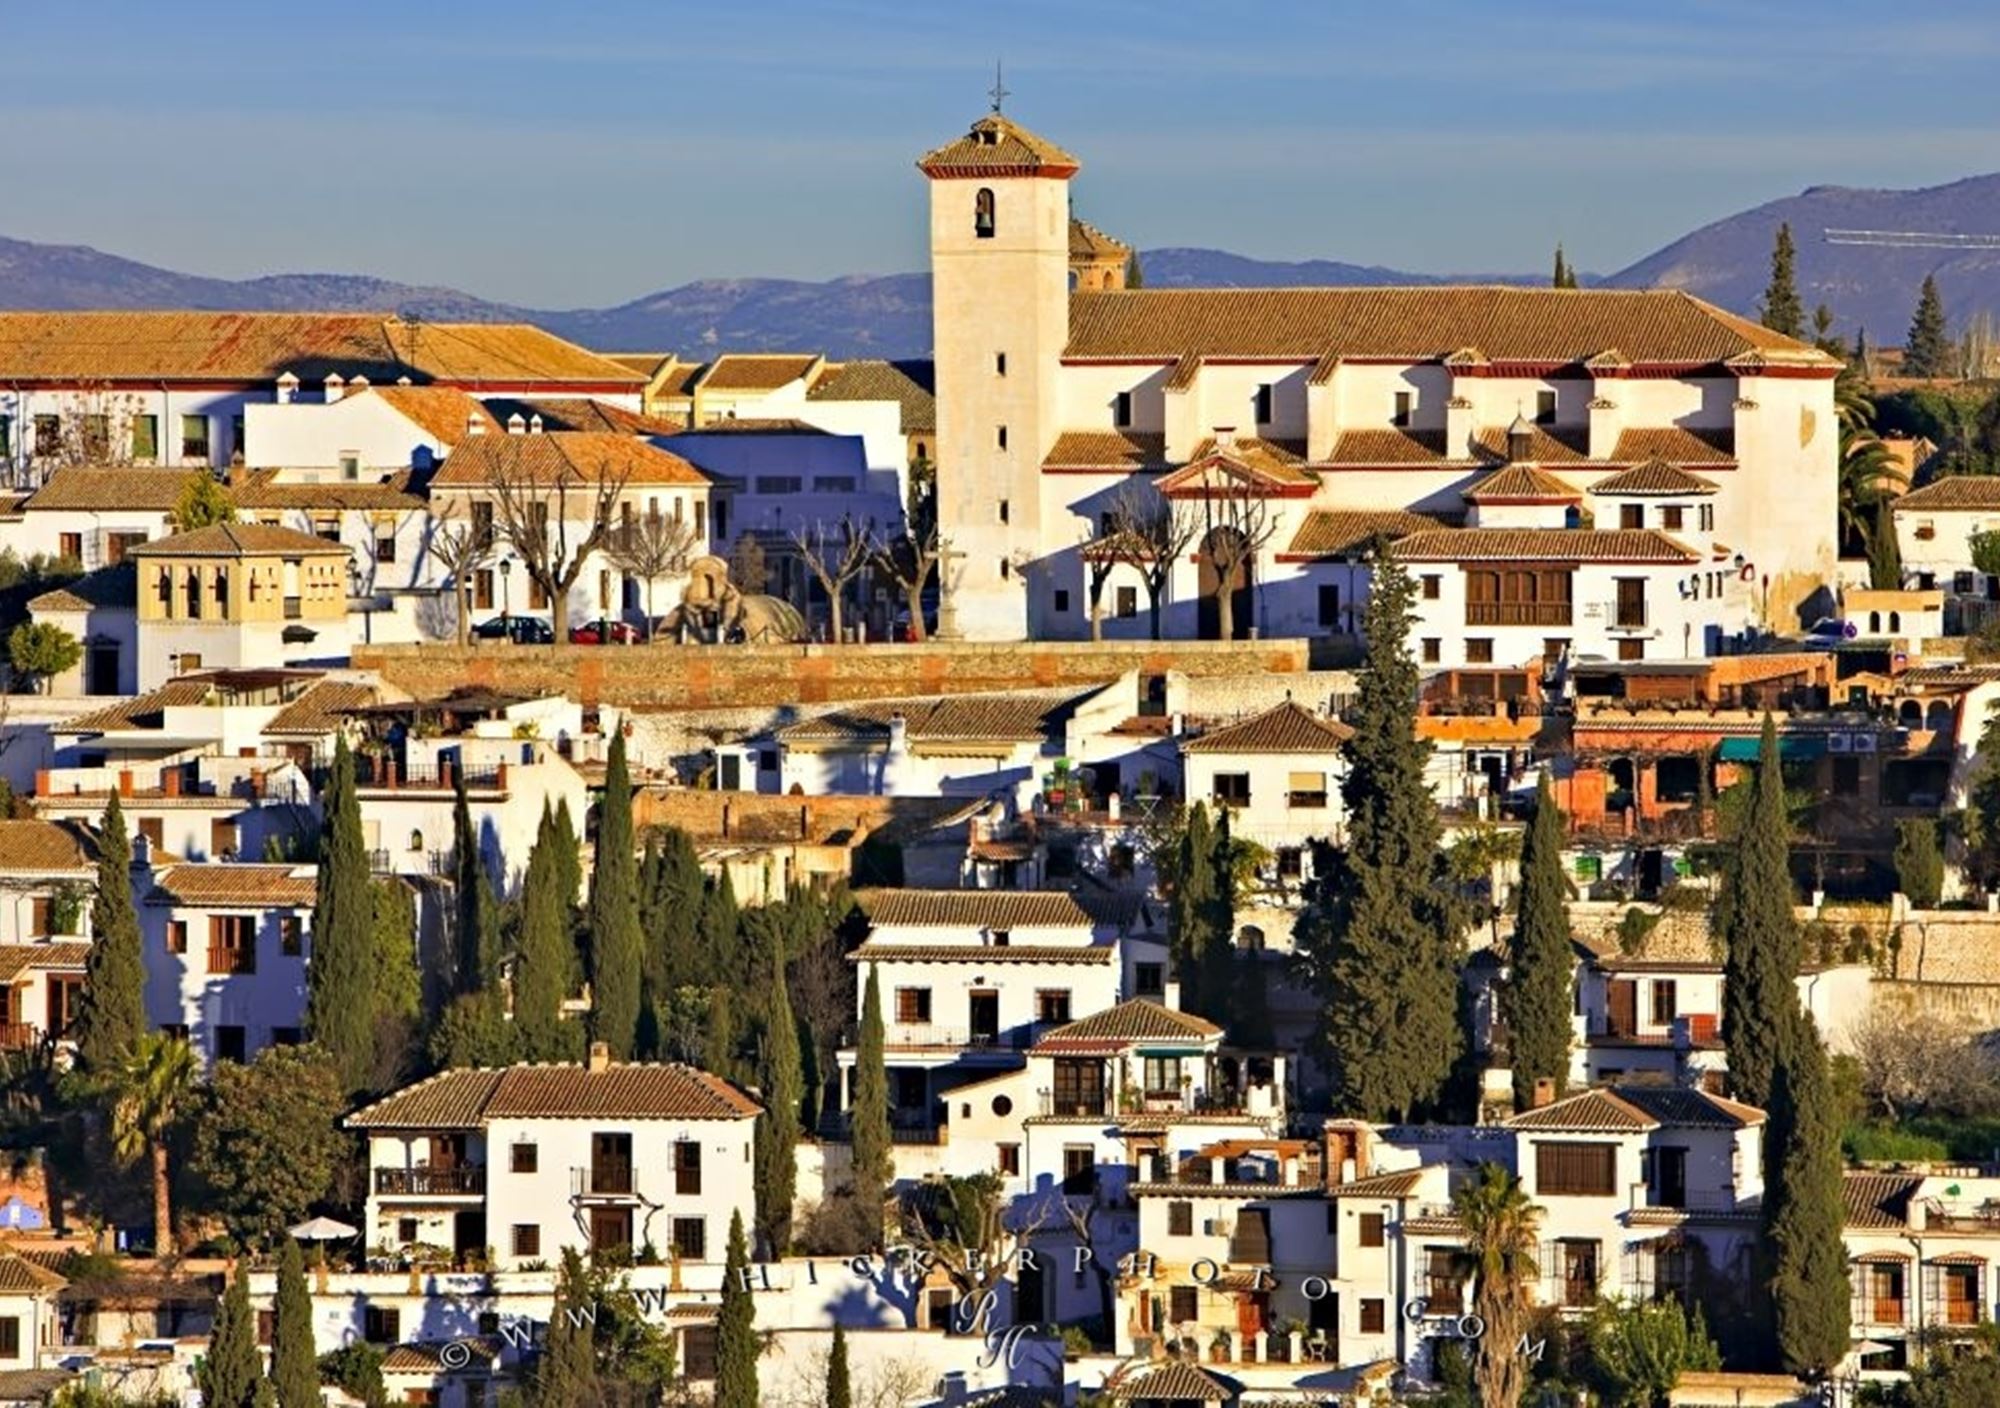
1671	517
1479	650
1371	1317
1061	602
1433	586
1127	602
406	1230
1372	1229
524	1158
1000	436
1010	1159
1121	410
1431	650
1545	408
1400	416
1264	404
527	1240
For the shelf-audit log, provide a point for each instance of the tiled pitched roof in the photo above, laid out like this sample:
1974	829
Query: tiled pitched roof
1339	532
1676	445
558	456
140	710
464	1099
1087	955
1134	1020
1518	483
441	412
756	425
18	1273
38	846
1543	545
1248	460
92	487
1654	477
1288	728
1022	717
580	413
16	959
909	384
1546	445
1955	491
207	346
1086	238
1679	1107
680	378
240	540
973	909
106	588
1389	447
321	709
997	146
1428	323
31	1385
647	364
1878	1201
745	371
1106	449
1173	1381
1380	1185
260	489
428	1358
1597	1111
230	885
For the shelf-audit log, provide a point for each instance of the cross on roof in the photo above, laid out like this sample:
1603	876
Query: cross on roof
998	92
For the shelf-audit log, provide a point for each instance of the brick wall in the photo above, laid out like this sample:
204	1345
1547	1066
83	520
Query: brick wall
692	676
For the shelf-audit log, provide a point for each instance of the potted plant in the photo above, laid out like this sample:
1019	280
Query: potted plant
1218	1347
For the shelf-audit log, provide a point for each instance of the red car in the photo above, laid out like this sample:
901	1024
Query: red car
602	632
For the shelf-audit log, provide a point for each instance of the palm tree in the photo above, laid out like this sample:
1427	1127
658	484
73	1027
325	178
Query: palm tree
1502	1229
1867	475
154	1088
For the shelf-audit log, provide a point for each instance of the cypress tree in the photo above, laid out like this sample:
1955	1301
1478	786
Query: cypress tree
1782	310
777	1131
1927	352
736	1329
1565	274
232	1367
1215	922
874	1164
112	1016
1381	935
615	940
838	1392
340	1006
1885	556
1760	934
567	1374
1803	1211
673	902
569	857
476	916
1193	902
721	932
545	958
1540	992
294	1356
1135	277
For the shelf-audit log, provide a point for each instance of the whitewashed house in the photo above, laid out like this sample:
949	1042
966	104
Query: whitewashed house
226	947
1935	527
1277	773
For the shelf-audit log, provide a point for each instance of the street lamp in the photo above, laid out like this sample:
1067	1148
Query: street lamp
506	570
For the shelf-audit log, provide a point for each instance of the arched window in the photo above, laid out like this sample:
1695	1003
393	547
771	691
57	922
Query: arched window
982	213
1874	623
1895	622
416	840
194	593
1910	714
1937	718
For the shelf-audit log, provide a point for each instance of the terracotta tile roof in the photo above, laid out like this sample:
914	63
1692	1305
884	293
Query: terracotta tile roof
1543	545
1545	445
1654	477
1380	1185
1132	1021
1390	447
240	540
997	146
647	364
1333	533
16	959
746	371
1423	324
1186	372
1879	1201
428	1358
91	487
1173	1381
1676	445
1956	491
1106	449
1679	1107
260	489
465	1099
1598	1111
321	709
563	455
1518	483
201	346
1026	716
757	425
909	384
680	378
140	710
107	587
230	885
441	412
973	909
1962	950
1086	238
40	846
31	1385
1247	460
1288	728
579	413
1087	955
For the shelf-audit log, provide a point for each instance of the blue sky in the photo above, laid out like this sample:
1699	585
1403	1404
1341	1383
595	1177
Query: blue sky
593	151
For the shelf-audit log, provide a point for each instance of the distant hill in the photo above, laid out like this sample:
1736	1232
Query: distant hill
1729	262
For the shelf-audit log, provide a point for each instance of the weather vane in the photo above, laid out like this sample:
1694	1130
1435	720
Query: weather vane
999	90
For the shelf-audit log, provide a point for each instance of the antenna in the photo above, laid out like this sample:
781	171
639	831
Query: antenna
998	92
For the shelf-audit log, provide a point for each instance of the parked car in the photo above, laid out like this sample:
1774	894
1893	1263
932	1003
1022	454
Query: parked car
522	630
604	632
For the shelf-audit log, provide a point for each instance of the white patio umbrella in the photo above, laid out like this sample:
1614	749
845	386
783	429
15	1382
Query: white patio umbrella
324	1229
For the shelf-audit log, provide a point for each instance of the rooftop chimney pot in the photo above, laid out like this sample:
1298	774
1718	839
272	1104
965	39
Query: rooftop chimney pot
600	1056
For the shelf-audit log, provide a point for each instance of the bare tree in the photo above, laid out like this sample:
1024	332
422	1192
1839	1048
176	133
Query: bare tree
461	549
651	547
554	516
836	559
908	558
99	427
969	1229
1237	524
1149	534
1909	1066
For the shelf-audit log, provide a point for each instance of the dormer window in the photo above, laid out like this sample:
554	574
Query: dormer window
982	213
1001	938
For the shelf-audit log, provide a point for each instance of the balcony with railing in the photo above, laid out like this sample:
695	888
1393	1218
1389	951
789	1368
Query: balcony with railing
932	1036
230	961
466	1180
1075	1105
607	1178
1517	613
18	1036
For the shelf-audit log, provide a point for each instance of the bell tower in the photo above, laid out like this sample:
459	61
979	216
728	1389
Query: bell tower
1000	268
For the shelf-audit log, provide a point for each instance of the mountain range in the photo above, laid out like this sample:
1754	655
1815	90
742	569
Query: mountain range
1726	262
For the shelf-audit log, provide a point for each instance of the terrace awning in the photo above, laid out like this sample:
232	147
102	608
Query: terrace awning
1792	748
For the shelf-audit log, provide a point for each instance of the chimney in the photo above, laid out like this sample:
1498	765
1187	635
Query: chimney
1111	806
170	781
600	1056
535	423
288	388
1520	436
1545	1094
515	425
124	784
358	384
475	424
1170	994
336	387
1225	437
1458	426
404	381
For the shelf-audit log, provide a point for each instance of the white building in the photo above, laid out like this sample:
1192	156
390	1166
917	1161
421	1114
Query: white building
1278	773
1935	526
225	948
533	1161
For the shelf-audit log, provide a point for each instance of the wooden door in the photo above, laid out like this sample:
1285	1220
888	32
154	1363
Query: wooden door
1622	998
